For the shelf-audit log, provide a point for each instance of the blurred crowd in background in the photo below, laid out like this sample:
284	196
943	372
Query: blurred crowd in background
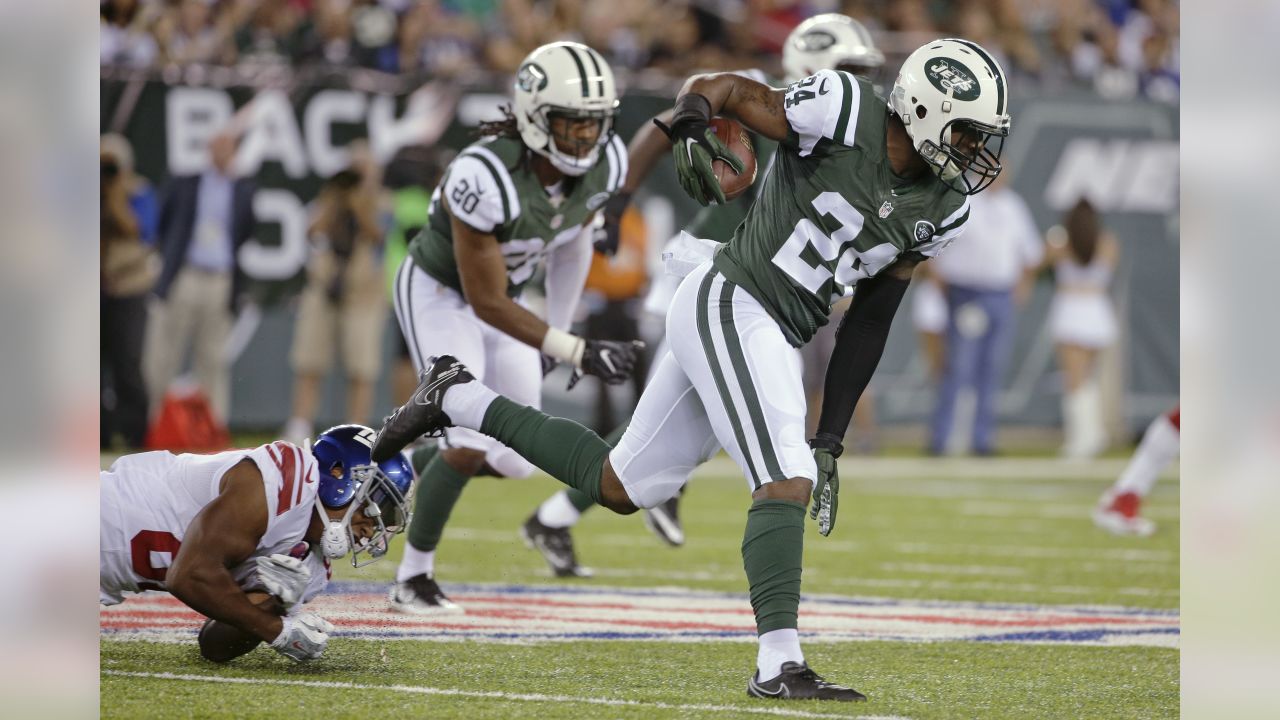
1120	48
171	275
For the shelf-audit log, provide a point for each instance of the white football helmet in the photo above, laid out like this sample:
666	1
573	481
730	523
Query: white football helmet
954	85
829	42
565	79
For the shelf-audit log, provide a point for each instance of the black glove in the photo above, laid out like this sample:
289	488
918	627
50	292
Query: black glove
607	239
548	364
694	146
826	491
612	361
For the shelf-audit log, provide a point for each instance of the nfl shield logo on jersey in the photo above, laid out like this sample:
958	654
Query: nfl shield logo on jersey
924	230
885	209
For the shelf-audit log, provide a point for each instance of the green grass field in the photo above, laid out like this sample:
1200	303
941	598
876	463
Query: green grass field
1001	532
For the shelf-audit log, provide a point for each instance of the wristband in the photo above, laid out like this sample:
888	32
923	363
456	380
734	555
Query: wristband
691	106
563	346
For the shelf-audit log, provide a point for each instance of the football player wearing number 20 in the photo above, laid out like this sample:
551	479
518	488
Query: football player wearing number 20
861	191
523	197
232	534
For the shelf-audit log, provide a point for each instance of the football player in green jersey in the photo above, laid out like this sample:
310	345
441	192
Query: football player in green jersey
828	41
524	195
861	191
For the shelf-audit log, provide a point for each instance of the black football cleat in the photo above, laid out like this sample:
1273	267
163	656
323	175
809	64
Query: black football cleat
423	414
556	546
798	682
420	595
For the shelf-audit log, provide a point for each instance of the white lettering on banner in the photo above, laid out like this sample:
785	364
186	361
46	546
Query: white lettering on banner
272	134
283	261
1116	175
325	109
193	116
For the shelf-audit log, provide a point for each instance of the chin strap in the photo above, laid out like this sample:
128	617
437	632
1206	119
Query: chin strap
333	539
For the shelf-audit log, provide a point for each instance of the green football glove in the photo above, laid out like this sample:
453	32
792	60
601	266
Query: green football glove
694	146
826	491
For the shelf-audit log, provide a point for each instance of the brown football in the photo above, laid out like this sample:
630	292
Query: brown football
732	133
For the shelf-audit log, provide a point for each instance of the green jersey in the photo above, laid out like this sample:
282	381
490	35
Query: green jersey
831	211
492	189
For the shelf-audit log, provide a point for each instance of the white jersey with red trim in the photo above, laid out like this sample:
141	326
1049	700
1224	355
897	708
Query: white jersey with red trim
149	499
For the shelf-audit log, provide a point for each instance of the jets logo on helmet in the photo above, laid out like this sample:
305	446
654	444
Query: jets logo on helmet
815	41
952	76
569	81
830	42
951	96
531	78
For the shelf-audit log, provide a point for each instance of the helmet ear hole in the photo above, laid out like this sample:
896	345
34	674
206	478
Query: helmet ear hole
921	111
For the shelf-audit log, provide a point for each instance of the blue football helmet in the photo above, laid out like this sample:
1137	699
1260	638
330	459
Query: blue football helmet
349	478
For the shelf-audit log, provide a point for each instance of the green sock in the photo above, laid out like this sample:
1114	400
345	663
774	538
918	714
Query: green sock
772	552
580	500
563	449
439	487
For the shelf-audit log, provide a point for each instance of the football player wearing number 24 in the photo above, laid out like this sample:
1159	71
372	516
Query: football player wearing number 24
231	534
860	192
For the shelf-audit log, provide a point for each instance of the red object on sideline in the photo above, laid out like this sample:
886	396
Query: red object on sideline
186	422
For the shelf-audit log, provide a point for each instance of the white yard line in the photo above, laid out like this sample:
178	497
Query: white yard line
520	697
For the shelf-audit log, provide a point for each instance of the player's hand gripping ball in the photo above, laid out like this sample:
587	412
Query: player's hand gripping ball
734	135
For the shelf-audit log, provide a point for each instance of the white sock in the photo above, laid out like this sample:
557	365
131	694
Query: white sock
777	647
466	403
1158	448
416	562
557	512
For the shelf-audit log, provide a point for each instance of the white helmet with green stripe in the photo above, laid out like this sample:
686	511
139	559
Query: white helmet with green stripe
952	96
830	41
570	80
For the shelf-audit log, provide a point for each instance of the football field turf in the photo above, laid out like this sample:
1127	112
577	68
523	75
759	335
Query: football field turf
948	589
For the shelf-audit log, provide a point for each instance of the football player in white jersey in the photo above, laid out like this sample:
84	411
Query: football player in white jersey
230	534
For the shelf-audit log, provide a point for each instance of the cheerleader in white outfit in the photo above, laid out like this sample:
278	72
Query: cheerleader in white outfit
1082	321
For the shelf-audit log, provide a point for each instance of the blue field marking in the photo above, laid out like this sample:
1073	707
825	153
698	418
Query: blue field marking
1068	636
350	587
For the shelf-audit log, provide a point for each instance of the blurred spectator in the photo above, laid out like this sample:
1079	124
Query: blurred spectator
437	41
1082	322
611	297
326	39
271	33
411	176
124	36
342	310
187	33
204	219
128	271
985	276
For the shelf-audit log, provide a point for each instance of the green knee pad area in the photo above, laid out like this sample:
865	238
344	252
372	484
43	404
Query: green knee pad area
772	552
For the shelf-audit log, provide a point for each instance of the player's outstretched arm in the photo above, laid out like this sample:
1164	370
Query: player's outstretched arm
221	536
